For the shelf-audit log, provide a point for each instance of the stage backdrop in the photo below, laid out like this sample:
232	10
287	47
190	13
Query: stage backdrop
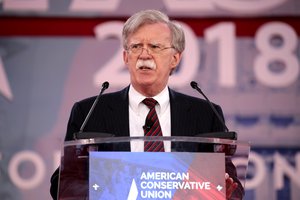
244	55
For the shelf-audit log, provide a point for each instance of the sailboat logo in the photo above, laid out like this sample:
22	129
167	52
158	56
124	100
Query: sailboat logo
133	193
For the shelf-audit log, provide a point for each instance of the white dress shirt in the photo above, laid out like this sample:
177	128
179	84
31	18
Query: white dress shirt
138	112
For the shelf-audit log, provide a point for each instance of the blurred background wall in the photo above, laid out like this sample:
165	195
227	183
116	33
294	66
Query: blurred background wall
244	55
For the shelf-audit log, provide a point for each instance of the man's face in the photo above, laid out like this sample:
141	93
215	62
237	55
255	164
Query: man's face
150	58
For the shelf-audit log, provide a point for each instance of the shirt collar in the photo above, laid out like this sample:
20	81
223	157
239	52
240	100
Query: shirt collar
135	100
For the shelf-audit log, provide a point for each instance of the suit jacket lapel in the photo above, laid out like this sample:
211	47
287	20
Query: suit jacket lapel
119	109
179	114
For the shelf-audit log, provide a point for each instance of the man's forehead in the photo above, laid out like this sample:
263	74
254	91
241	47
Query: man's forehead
137	39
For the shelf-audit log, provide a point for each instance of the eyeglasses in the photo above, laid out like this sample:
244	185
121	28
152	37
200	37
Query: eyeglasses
151	48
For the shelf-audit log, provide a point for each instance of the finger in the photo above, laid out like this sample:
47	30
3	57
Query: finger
226	176
230	187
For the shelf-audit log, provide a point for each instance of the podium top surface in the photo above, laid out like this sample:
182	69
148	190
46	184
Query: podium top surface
173	139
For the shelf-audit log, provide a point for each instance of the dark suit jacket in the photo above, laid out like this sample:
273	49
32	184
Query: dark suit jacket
189	116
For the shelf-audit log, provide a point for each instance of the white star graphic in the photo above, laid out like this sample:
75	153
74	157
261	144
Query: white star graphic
95	186
219	188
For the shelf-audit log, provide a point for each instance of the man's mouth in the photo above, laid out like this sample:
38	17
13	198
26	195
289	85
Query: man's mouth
144	68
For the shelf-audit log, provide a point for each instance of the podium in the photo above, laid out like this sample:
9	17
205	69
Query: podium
191	168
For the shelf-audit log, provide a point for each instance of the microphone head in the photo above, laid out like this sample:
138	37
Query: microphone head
105	85
194	84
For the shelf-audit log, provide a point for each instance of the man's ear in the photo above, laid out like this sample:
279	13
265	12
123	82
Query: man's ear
125	57
176	59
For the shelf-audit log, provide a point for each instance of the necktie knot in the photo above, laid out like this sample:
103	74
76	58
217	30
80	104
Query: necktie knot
150	102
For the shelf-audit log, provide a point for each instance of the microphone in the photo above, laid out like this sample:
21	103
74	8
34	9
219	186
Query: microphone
227	149
148	125
104	87
194	85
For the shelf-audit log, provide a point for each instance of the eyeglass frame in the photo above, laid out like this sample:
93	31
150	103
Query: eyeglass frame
150	48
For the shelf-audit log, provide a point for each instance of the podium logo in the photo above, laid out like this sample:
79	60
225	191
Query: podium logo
133	193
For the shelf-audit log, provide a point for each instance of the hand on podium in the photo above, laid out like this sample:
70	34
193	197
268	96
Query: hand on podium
231	186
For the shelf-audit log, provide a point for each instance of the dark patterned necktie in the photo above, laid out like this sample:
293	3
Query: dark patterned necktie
152	127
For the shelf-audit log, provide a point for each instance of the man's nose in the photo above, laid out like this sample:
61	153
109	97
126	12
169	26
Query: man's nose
145	51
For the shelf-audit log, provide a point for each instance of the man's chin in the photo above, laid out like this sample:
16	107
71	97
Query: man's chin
146	82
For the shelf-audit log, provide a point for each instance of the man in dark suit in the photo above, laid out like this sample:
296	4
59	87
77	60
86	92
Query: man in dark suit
153	47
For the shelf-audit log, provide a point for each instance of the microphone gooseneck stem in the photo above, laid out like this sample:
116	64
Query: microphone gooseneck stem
194	85
105	85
